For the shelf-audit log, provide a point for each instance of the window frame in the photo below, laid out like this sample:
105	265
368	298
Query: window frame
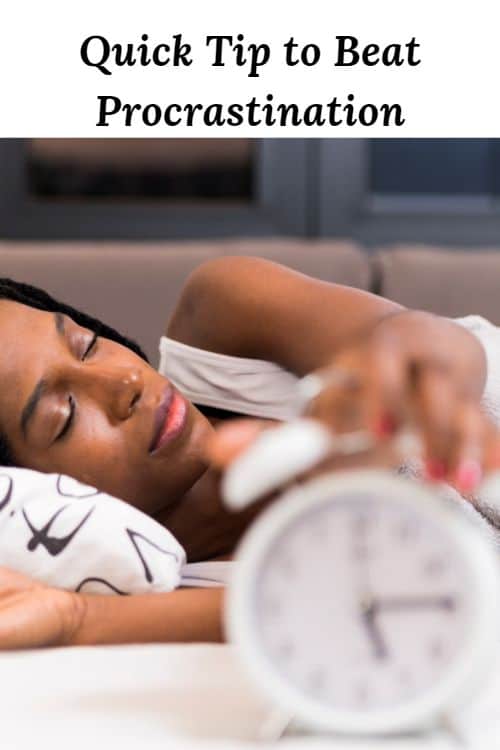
377	220
314	188
280	206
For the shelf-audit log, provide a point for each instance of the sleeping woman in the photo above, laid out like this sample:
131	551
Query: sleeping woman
80	399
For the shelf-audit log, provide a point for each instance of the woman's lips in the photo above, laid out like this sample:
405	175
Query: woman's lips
170	419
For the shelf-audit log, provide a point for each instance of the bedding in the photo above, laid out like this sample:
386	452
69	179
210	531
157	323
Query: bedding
172	697
71	536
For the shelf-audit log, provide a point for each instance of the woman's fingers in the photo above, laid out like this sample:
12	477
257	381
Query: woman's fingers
435	406
232	438
470	448
274	459
31	614
369	392
378	389
454	430
387	391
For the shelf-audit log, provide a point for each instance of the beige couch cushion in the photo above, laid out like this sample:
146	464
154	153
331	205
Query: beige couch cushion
447	282
134	286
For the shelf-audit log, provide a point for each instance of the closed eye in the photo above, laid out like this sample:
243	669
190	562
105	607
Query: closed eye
72	405
88	351
69	421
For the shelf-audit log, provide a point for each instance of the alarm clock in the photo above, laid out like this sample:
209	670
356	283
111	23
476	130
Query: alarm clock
363	603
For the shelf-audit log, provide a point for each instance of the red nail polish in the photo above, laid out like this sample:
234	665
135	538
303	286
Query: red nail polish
436	470
468	475
385	426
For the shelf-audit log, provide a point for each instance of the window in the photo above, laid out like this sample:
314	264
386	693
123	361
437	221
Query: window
443	191
375	191
141	169
152	189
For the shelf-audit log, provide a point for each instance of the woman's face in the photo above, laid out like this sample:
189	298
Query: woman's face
91	408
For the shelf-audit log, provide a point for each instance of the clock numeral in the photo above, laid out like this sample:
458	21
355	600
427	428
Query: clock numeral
361	552
361	525
362	695
406	531
434	567
450	604
436	650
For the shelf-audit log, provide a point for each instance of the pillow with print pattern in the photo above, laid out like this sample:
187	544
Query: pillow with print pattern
71	536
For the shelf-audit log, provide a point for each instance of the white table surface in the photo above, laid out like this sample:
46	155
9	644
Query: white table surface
170	697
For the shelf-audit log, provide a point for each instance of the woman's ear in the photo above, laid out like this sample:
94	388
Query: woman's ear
232	438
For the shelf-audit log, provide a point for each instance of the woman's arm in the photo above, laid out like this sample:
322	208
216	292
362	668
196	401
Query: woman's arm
410	366
33	615
251	307
181	616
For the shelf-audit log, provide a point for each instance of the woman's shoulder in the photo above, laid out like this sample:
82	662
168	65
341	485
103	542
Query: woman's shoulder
224	303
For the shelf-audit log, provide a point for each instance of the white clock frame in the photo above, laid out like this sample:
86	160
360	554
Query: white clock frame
465	675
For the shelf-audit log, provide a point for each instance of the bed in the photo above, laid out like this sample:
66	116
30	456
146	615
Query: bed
186	697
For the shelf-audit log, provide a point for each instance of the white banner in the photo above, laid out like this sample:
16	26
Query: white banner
212	68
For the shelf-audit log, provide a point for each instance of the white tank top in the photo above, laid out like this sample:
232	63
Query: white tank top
259	388
253	387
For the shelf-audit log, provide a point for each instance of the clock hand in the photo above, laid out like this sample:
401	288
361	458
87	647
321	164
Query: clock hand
398	603
371	607
367	610
368	615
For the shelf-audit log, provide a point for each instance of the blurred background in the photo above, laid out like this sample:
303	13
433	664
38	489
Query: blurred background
102	222
375	191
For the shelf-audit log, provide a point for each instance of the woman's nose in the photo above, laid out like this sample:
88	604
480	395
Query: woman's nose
128	391
116	388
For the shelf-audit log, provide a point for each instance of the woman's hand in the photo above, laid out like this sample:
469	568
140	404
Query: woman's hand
390	381
34	615
412	371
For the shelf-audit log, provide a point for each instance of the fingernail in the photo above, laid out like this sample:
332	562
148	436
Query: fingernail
436	470
468	475
384	426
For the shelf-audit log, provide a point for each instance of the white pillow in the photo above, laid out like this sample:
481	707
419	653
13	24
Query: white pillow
71	536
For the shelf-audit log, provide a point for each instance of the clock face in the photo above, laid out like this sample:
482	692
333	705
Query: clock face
362	603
